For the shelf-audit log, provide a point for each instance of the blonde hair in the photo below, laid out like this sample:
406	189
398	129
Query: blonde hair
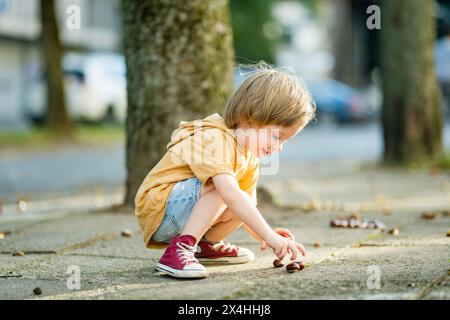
270	96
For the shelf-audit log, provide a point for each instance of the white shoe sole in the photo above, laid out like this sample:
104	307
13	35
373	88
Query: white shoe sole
190	274
227	260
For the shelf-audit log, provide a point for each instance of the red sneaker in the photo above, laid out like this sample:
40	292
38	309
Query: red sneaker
178	260
222	253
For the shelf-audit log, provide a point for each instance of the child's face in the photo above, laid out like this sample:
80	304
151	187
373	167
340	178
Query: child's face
262	141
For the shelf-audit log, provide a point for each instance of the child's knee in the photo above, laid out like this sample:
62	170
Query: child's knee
229	216
212	202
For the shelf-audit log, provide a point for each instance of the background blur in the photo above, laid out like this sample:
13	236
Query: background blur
326	42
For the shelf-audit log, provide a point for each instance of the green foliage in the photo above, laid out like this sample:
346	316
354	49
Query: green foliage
41	138
251	43
443	162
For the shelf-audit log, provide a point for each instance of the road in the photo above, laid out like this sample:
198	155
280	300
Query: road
38	175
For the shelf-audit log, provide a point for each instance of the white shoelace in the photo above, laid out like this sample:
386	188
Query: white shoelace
223	246
186	253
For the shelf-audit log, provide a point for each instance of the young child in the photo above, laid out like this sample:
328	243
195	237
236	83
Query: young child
204	187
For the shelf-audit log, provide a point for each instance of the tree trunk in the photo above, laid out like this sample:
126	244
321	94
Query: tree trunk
57	118
179	60
411	114
342	34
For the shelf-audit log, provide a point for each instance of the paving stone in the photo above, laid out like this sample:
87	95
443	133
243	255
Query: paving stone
57	234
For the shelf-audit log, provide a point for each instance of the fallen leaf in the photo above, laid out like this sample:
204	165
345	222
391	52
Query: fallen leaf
3	234
22	205
355	215
394	231
428	215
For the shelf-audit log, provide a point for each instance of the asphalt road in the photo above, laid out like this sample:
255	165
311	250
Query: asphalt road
45	174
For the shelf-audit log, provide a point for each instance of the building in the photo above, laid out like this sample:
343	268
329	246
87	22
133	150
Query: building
99	29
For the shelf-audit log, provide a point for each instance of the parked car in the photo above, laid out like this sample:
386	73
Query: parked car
442	60
343	102
335	99
95	89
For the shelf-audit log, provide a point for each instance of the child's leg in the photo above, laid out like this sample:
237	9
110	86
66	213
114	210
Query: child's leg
211	251
207	209
223	226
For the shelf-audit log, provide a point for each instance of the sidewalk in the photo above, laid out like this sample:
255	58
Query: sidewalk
412	265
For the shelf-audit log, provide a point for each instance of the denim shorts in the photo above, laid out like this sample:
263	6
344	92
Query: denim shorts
179	206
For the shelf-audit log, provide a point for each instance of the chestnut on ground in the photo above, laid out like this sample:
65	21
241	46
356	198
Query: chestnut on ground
295	266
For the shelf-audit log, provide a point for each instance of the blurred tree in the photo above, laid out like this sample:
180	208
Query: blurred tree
179	59
344	41
411	115
252	22
57	118
354	46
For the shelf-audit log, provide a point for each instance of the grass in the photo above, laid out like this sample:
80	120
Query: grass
96	135
443	162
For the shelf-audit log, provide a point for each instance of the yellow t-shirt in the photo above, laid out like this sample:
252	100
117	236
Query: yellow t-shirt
202	148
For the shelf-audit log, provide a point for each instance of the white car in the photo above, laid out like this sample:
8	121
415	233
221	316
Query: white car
95	89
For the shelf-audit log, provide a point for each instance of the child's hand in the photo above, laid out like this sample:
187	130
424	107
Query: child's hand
282	246
285	233
282	232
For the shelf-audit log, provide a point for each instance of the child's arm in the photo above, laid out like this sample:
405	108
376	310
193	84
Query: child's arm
240	203
252	233
281	231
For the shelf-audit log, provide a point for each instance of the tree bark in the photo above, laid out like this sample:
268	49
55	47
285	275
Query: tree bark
411	113
57	118
179	60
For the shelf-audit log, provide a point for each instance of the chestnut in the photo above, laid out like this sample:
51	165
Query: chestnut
295	266
371	225
335	223
353	223
37	291
126	233
277	263
379	225
363	224
18	253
